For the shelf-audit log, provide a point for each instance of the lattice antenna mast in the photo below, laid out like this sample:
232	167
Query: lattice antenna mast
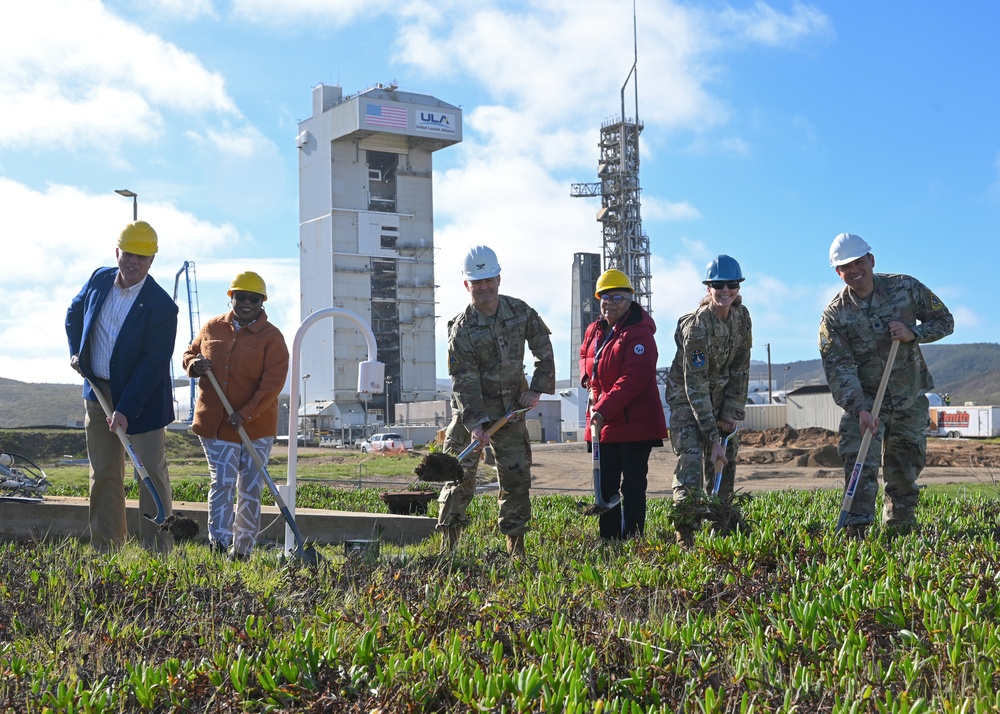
626	246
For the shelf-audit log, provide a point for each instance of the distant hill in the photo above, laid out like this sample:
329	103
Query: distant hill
30	404
969	373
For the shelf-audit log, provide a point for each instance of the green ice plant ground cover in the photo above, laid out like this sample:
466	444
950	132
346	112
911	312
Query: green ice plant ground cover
788	618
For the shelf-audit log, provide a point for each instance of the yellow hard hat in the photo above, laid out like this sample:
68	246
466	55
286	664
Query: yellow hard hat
250	282
138	238
613	280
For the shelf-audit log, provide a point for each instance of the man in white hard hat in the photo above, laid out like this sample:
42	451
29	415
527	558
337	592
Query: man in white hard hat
855	334
486	344
121	329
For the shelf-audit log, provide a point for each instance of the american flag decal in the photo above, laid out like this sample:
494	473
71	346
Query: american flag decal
379	115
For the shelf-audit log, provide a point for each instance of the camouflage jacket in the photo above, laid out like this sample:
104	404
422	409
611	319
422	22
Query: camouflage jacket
486	359
854	342
710	372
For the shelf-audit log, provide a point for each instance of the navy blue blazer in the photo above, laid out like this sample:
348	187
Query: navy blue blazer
140	362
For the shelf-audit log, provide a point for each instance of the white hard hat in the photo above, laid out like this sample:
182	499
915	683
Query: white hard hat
480	263
848	247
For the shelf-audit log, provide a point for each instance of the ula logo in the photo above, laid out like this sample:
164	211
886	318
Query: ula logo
432	118
436	122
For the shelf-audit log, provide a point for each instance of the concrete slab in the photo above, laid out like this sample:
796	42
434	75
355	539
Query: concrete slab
61	517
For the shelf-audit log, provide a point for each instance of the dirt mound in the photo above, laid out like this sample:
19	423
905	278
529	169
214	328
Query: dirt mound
786	436
822	457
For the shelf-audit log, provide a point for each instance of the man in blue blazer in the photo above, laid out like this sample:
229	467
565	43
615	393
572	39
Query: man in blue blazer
121	329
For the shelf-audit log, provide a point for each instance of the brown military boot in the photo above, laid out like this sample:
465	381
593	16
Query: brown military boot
449	538
515	547
685	536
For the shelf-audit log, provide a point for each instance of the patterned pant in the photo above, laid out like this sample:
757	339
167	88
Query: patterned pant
231	466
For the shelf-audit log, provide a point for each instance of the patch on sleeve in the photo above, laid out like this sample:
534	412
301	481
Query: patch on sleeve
451	360
639	349
697	359
824	337
936	303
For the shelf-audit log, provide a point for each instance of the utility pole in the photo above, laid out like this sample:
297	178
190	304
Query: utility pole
770	397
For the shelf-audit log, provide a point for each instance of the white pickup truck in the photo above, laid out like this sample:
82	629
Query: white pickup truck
385	444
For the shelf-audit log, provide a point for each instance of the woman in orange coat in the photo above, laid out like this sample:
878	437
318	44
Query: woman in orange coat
248	356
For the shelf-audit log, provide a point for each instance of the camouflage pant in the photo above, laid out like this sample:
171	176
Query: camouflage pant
694	470
900	447
513	456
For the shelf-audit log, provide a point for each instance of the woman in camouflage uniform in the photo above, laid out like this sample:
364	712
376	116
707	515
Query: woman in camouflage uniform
707	385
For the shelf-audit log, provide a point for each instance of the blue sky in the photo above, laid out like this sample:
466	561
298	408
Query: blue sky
769	128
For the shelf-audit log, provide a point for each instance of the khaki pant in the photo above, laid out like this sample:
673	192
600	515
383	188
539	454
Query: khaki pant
513	456
107	481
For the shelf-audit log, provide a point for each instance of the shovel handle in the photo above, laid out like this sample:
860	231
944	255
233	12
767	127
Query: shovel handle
866	440
161	514
494	428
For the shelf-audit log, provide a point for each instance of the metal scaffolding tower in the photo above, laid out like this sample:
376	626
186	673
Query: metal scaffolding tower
626	246
194	319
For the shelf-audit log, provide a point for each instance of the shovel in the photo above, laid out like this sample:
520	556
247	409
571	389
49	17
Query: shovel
309	555
600	505
866	440
718	463
161	515
445	467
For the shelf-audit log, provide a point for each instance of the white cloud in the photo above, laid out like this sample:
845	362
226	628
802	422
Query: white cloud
658	209
307	12
966	318
764	25
52	259
185	10
83	74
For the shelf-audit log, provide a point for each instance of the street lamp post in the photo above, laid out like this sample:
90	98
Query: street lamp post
388	381
784	385
135	201
305	406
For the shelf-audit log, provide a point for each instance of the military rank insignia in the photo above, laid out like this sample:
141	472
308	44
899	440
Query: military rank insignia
697	359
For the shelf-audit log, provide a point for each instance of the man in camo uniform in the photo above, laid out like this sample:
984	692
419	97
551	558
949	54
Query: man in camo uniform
855	334
486	363
707	385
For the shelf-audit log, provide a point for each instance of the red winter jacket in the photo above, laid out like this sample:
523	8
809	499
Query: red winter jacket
624	390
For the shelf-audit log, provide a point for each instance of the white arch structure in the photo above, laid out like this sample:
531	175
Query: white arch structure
371	380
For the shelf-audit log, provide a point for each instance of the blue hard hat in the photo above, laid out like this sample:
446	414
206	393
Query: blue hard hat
723	268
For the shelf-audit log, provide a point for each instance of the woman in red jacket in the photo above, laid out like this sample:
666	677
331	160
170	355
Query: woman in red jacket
618	367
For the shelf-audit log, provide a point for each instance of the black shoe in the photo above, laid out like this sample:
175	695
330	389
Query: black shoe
217	547
238	557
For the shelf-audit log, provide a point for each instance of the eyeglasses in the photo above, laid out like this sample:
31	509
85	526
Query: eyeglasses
254	298
719	284
616	299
